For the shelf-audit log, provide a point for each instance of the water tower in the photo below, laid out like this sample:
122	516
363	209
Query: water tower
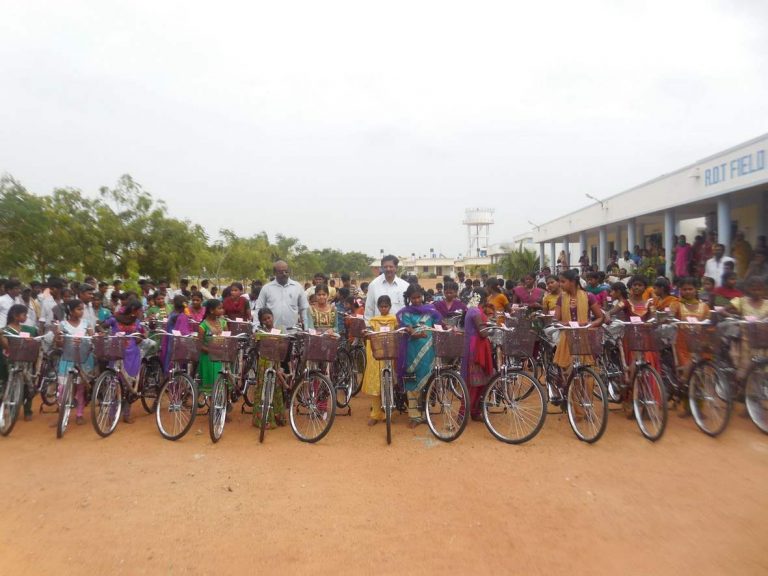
478	222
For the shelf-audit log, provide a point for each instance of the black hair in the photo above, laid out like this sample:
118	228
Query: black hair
573	276
364	286
102	284
263	312
637	278
11	284
237	285
593	276
390	258
71	305
345	277
550	277
439	286
729	275
689	281
621	288
481	293
15	311
451	286
178	302
510	284
211	305
343	293
384	300
84	288
411	290
131	304
663	283
321	288
196	295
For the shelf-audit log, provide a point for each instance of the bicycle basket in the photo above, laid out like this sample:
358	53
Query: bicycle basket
109	348
585	341
76	350
319	348
355	327
23	349
643	338
385	345
612	332
448	344
273	348
700	338
222	349
519	342
757	334
236	328
184	349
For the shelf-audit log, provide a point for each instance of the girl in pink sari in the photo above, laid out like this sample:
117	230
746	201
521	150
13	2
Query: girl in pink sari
477	363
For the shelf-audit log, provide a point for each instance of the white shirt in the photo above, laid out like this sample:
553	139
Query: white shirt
5	305
380	287
287	302
715	269
48	304
206	294
628	265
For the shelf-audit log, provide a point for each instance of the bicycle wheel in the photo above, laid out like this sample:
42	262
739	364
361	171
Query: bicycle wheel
649	399
13	397
357	365
267	393
612	372
312	407
587	404
757	395
709	398
446	404
514	407
48	381
341	371
107	403
150	381
387	400
176	407
250	376
65	405
217	416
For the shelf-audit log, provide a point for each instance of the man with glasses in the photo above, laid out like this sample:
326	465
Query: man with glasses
386	284
284	297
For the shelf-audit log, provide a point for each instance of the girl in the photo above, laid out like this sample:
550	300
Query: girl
322	315
213	325
496	297
621	308
75	325
235	305
663	299
266	319
160	310
371	380
450	305
637	287
17	318
196	309
128	321
689	307
415	362
102	312
728	291
549	302
574	305
178	320
753	303
707	292
477	362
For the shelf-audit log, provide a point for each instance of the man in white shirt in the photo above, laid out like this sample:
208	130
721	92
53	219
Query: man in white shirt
12	296
284	297
715	266
51	300
204	289
627	263
388	284
86	297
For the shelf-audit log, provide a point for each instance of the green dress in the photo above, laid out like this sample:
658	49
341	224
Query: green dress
207	368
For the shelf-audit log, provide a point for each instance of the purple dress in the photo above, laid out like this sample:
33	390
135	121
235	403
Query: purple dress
132	356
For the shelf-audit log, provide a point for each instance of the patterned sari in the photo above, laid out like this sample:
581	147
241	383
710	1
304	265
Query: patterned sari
415	365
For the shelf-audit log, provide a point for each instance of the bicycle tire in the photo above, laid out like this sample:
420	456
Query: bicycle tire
313	404
48	381
586	395
756	395
612	371
649	400
267	394
341	378
217	415
176	402
65	406
13	397
357	368
106	404
150	381
709	398
442	390
387	400
504	396
250	376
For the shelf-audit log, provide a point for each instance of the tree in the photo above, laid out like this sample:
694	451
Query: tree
517	263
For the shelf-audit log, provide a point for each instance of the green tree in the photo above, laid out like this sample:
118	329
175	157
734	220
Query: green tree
517	263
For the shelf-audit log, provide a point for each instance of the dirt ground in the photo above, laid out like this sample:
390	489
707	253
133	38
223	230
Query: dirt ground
134	503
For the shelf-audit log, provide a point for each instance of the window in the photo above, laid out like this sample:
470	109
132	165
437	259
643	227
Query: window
439	270
425	269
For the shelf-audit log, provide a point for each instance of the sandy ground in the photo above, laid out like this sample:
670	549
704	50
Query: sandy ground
134	503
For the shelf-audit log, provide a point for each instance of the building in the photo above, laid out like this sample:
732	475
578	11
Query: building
723	193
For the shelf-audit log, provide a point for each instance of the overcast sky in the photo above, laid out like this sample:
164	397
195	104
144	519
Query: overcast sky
367	126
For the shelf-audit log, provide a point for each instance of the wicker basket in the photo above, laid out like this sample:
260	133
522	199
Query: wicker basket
109	347
519	342
184	349
448	344
385	345
355	327
701	338
757	334
584	341
222	349
236	328
23	349
76	350
319	348
273	348
643	338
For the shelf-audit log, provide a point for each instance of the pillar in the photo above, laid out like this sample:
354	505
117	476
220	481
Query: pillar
602	248
567	248
669	232
641	235
582	243
552	258
724	223
760	228
619	246
631	239
542	261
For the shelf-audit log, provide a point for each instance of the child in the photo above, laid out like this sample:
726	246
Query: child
127	320
17	316
595	287
267	322
102	312
477	362
707	292
213	325
689	307
196	310
322	316
178	320
549	302
621	309
160	310
75	325
235	305
371	379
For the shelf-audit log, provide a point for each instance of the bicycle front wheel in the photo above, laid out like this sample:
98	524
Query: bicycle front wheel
357	368
446	405
587	405
312	407
756	395
150	381
11	402
250	376
649	400
217	416
48	381
267	394
107	403
65	405
176	407
514	407
709	398
387	401
341	371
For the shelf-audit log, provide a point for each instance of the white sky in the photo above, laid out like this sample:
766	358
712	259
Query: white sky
360	125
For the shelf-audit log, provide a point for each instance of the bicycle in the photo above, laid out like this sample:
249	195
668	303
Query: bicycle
227	350
384	347
514	405
273	348
177	400
756	380
76	350
23	352
114	386
47	377
244	365
348	369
